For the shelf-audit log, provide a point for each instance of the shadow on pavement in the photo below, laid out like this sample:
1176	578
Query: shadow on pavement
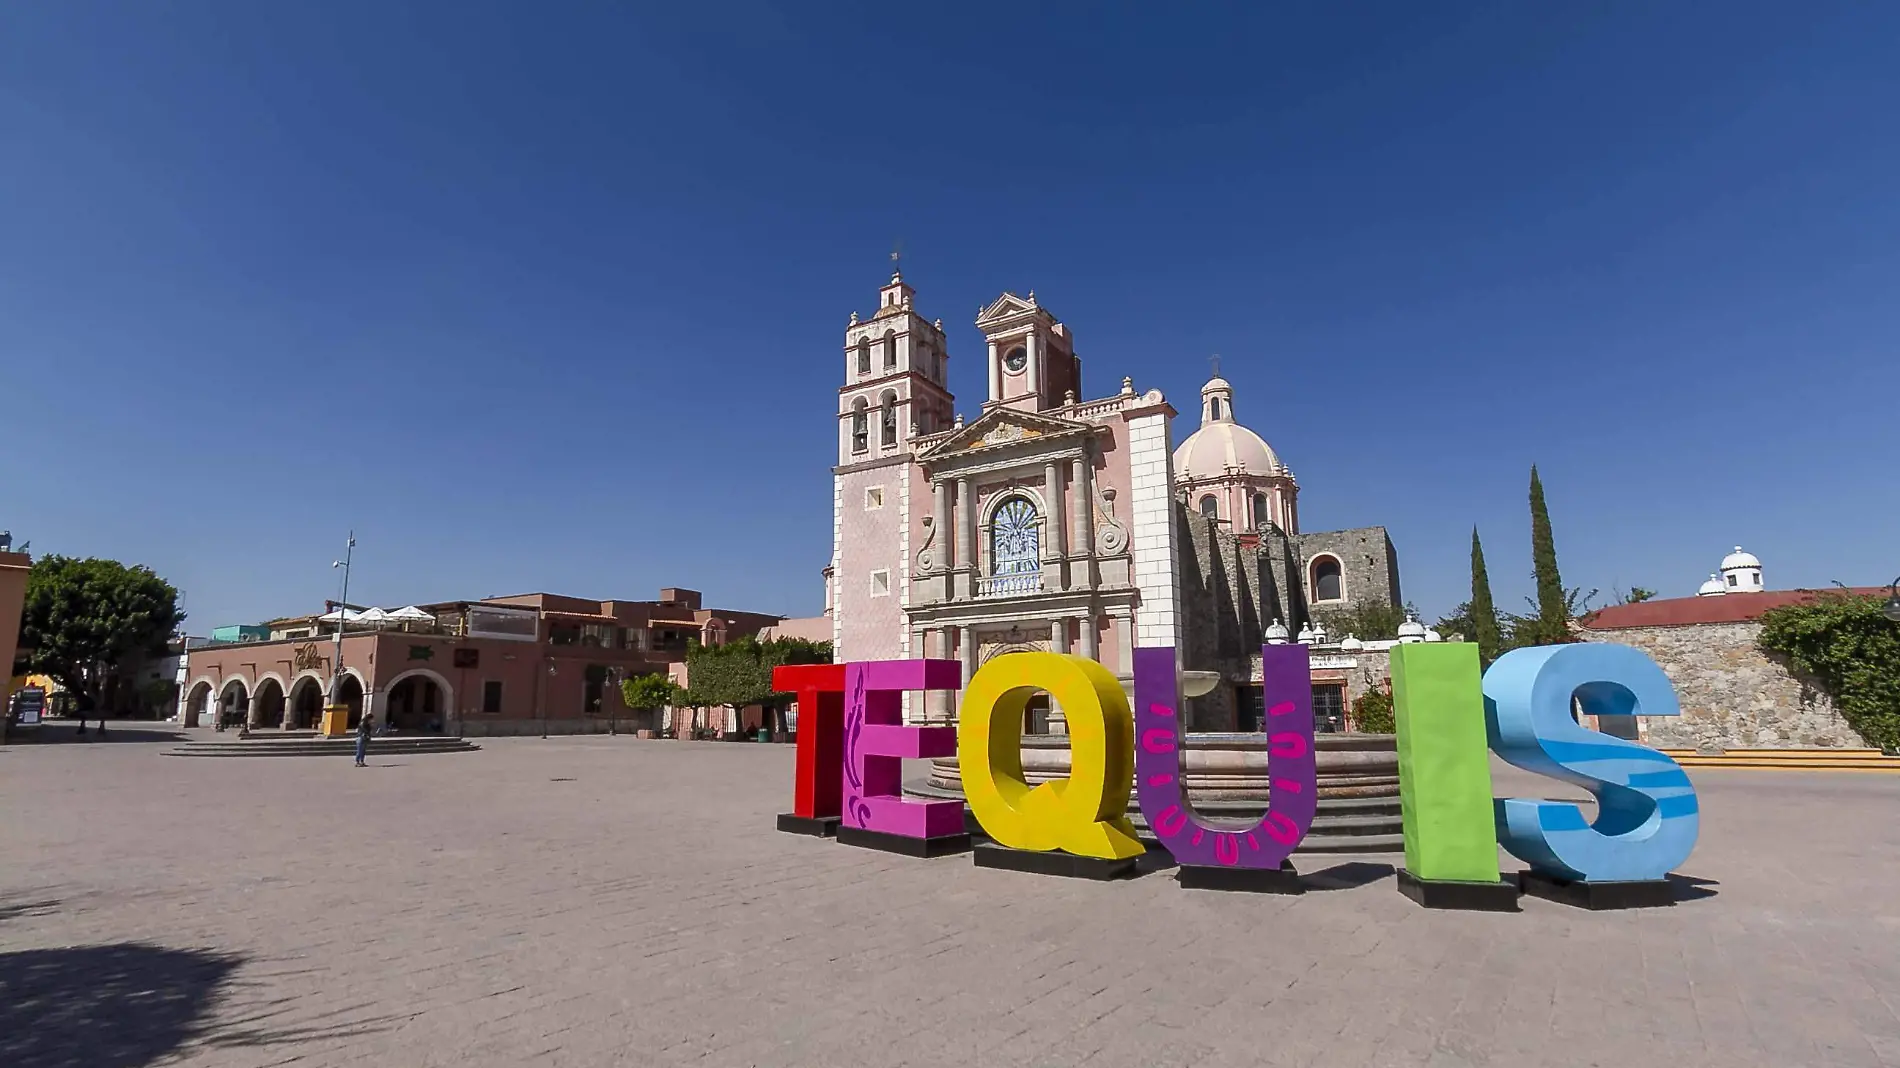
133	1004
1690	888
55	732
1346	876
114	1006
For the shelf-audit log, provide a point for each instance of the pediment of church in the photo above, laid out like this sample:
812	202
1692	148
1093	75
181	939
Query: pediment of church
1005	426
1007	306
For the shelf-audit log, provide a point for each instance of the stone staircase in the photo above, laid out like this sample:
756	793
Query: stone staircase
310	743
1789	759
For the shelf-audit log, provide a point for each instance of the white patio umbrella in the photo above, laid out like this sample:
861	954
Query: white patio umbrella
342	614
411	612
373	615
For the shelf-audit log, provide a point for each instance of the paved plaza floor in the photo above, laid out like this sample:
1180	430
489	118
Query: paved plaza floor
618	902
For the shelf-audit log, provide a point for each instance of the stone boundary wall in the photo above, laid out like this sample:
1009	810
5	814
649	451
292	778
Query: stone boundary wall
1734	695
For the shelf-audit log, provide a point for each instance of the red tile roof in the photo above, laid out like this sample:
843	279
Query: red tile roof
1687	611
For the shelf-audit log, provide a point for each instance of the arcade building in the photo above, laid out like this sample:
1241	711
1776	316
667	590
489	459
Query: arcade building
1056	521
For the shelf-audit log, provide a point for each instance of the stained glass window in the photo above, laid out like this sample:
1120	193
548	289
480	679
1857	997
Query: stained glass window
1015	547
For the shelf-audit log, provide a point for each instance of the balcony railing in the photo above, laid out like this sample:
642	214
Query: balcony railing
1009	585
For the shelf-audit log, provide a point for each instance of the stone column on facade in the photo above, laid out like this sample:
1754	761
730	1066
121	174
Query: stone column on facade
937	709
966	652
1059	635
1124	646
1082	549
1055	547
966	534
1091	639
940	526
1035	365
996	374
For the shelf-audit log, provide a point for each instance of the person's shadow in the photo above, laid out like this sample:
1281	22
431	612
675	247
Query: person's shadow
112	1006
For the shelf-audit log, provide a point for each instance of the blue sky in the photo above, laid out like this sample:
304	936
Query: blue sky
551	296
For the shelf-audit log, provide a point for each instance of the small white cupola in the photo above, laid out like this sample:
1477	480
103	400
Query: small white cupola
1741	572
1712	588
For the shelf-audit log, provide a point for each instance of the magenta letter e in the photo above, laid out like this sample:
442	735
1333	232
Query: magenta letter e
876	743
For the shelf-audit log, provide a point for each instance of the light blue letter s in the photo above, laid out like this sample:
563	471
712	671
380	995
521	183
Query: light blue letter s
1646	807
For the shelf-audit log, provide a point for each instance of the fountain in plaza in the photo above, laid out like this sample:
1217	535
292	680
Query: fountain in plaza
1226	776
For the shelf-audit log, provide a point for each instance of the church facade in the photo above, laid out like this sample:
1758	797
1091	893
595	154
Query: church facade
1055	522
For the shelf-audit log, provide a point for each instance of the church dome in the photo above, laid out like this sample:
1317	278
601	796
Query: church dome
1222	447
1712	588
1739	559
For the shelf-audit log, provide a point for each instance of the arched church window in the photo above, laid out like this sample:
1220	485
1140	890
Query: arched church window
890	349
860	426
887	418
1213	407
1210	507
864	355
1015	538
1326	579
1262	512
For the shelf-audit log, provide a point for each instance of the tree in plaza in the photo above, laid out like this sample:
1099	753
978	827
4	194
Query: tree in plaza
1483	613
82	617
650	693
739	673
1551	609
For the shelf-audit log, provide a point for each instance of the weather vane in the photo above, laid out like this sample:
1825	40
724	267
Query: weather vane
897	256
1214	361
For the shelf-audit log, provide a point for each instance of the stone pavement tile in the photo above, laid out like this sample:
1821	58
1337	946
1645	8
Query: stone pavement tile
468	910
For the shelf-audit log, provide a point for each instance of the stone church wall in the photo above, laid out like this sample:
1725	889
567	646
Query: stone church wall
1368	563
1733	694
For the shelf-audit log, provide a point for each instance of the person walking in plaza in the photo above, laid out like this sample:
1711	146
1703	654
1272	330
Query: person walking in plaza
364	727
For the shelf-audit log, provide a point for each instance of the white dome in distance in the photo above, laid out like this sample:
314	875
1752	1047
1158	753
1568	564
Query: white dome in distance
1712	588
1352	644
1411	630
1276	634
1738	558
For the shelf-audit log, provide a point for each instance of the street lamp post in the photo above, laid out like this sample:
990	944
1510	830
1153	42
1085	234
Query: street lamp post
336	674
547	694
612	697
1892	611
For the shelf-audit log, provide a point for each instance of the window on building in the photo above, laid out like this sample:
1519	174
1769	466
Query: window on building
890	349
1210	507
860	426
887	419
873	497
1247	708
564	633
600	635
1262	512
1329	707
1731	580
864	356
594	686
491	697
1326	580
637	638
880	583
1213	407
1015	538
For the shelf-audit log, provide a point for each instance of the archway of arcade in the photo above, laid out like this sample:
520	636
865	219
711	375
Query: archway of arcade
267	705
197	703
234	703
417	701
349	692
306	703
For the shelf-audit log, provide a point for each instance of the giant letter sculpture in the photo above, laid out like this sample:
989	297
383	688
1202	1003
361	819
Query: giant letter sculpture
817	775
1236	858
1646	808
1451	849
875	745
1083	814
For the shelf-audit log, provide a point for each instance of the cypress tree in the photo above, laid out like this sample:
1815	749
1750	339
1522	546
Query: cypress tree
1553	612
1484	614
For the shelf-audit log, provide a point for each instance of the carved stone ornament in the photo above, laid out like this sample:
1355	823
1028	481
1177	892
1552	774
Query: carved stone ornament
1111	538
1007	433
927	556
